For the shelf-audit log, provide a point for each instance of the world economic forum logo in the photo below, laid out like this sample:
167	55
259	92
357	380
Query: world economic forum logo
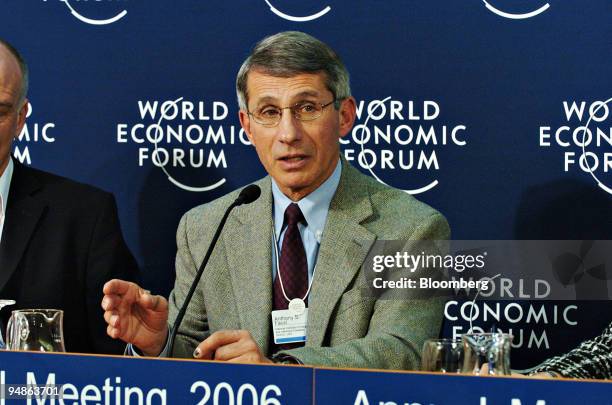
36	131
78	10
515	16
393	137
289	17
603	110
193	142
585	139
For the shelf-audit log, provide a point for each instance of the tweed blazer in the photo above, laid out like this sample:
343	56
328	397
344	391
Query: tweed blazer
345	328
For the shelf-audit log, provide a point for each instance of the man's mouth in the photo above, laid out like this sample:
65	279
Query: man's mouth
293	158
293	162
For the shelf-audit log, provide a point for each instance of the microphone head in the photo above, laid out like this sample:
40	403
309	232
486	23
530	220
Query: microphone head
248	194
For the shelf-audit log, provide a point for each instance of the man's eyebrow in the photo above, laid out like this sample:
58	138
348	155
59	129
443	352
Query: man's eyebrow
307	93
265	99
5	104
271	99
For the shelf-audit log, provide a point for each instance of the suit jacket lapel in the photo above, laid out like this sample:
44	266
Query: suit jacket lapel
249	252
22	214
343	249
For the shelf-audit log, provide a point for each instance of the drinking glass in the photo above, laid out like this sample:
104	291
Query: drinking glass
486	353
442	355
4	303
38	330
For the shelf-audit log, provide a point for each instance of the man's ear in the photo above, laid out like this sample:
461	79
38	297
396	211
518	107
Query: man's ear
245	123
21	119
348	113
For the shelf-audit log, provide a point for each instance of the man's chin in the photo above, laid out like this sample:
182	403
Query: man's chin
294	187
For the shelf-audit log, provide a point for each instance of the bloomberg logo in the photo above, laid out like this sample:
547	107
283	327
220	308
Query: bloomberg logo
294	18
96	12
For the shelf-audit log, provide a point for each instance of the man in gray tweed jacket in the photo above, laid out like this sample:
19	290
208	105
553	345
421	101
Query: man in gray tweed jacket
295	104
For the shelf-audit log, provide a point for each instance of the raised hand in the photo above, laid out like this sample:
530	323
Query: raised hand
135	316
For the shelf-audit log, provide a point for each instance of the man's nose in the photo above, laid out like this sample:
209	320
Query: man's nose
289	127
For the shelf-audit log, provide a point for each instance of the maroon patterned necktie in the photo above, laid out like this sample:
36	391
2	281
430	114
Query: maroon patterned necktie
293	267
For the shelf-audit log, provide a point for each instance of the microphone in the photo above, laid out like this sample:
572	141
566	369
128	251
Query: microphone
248	194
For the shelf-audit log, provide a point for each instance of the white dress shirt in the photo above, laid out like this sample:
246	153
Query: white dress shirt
5	183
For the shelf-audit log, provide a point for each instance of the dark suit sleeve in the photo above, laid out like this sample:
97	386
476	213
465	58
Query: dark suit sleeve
108	257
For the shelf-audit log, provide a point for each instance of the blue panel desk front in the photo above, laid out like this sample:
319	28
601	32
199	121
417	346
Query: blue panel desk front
88	379
121	380
402	388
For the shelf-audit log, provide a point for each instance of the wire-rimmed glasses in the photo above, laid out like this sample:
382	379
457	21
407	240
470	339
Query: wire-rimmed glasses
270	116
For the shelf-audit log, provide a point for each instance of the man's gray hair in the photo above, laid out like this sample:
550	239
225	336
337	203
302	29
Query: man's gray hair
23	66
291	53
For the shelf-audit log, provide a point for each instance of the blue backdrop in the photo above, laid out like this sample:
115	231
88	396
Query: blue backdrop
475	106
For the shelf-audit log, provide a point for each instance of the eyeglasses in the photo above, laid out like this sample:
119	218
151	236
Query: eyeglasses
270	116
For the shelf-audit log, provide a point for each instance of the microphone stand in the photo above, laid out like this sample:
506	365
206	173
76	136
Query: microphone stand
248	195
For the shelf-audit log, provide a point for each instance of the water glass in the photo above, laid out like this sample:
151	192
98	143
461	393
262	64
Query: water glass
442	355
486	353
38	330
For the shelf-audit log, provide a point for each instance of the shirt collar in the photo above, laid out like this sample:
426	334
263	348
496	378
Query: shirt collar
314	206
5	182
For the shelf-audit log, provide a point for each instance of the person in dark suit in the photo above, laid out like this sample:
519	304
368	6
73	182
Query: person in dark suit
60	240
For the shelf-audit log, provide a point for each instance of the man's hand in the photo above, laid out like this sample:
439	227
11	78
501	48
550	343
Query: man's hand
236	346
135	316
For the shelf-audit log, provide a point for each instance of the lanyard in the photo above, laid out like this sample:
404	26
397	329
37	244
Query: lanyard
278	274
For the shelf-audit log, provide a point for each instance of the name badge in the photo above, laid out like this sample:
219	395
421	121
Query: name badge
289	326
